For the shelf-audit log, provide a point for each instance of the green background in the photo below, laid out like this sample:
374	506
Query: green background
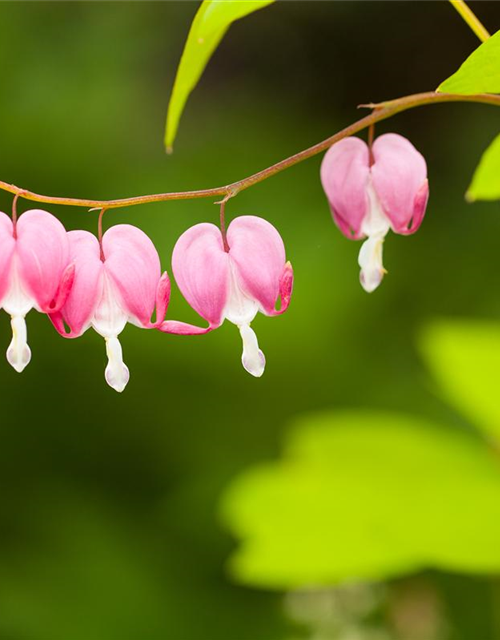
109	504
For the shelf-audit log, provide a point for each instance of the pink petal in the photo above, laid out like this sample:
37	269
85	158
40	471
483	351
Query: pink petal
132	261
58	322
286	288
7	246
201	270
183	328
42	247
419	207
162	301
87	286
258	253
345	173
162	298
65	286
399	175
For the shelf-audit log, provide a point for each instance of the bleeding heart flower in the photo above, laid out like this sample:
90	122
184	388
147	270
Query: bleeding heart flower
372	193
34	273
237	284
120	284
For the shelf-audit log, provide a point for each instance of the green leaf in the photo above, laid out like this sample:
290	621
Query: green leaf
366	496
480	73
464	357
208	28
486	181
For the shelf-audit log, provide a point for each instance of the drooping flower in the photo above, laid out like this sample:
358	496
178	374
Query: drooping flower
234	284
372	192
34	273
115	283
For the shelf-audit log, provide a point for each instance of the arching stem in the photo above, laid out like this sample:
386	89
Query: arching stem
381	111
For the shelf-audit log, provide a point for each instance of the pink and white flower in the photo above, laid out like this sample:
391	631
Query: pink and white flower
371	193
234	284
114	284
34	273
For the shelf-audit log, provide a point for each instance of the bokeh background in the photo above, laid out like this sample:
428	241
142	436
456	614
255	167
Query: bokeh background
110	524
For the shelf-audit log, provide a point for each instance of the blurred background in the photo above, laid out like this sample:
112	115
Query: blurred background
110	525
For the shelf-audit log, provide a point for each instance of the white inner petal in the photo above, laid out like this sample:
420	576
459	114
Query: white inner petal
375	226
109	321
376	223
17	303
241	310
109	317
117	374
18	353
370	261
252	358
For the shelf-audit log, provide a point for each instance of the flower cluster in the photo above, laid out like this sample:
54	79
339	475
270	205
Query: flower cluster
82	282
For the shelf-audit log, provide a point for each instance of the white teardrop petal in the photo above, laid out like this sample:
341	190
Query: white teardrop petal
117	374
253	359
19	353
370	261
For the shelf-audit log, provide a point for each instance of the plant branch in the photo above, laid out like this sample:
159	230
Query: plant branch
381	111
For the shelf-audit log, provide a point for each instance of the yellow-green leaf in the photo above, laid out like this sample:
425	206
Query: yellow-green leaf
208	28
480	73
464	356
366	496
486	181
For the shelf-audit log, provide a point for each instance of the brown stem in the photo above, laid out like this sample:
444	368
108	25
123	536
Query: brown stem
223	223
14	215
99	232
371	137
380	112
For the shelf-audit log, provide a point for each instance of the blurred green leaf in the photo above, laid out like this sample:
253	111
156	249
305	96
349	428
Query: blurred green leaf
486	181
366	496
464	356
480	73
208	28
